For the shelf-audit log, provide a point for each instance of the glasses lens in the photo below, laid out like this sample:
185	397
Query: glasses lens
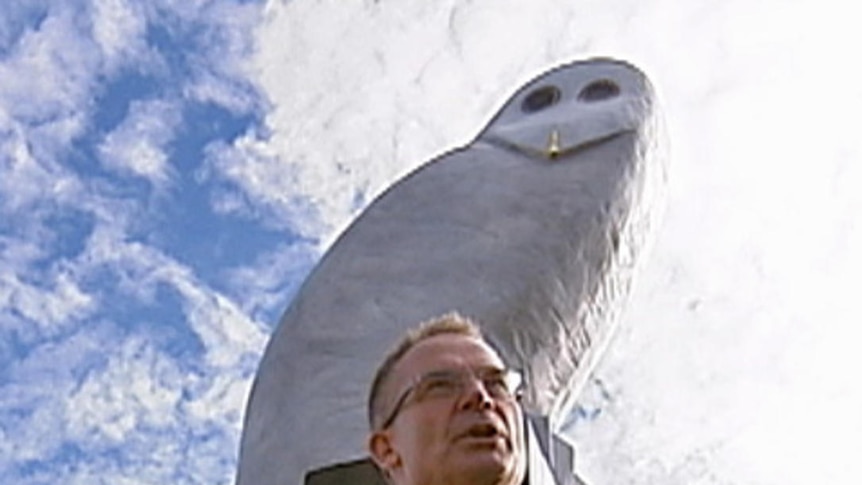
502	383
440	384
499	383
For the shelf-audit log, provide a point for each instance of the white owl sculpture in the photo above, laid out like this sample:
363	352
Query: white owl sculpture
533	230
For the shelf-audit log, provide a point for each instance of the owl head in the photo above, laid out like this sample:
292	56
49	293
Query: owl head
571	107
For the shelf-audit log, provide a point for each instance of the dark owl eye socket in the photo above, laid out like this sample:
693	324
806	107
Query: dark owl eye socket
540	99
599	91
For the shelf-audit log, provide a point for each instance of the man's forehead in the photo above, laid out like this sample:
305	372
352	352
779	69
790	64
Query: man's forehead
446	350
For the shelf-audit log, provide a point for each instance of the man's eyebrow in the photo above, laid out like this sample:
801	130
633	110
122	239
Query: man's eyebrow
480	368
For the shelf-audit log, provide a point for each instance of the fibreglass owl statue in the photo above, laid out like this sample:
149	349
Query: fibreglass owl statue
533	230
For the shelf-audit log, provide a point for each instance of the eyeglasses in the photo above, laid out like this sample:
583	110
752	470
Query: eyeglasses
503	384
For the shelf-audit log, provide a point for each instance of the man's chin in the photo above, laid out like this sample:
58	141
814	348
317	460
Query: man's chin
484	461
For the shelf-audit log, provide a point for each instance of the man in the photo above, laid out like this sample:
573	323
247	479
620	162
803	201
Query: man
444	410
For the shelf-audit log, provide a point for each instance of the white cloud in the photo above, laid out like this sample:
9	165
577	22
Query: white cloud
39	298
27	176
222	402
49	70
137	146
47	309
223	76
250	164
32	408
264	288
138	387
225	331
48	76
167	423
734	339
208	87
119	29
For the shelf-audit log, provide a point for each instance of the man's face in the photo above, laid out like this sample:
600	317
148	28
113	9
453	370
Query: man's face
471	437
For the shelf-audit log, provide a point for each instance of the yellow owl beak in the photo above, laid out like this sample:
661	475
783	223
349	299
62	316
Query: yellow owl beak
553	149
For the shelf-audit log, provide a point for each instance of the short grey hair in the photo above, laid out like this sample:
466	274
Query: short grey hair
449	323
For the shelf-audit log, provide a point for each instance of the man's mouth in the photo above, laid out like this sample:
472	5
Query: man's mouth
483	431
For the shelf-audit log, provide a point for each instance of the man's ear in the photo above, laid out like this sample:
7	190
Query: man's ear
382	452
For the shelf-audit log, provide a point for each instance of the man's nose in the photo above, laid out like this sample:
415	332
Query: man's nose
475	395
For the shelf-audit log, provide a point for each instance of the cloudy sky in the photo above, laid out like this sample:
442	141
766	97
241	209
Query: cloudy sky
170	170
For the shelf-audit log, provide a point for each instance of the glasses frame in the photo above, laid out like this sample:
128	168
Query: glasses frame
508	373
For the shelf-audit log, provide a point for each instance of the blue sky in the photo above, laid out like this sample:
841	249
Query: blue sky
138	283
170	170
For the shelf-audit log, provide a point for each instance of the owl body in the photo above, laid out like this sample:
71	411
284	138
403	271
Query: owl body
533	230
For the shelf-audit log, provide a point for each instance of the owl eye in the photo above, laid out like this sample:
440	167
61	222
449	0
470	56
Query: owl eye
599	91
540	99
